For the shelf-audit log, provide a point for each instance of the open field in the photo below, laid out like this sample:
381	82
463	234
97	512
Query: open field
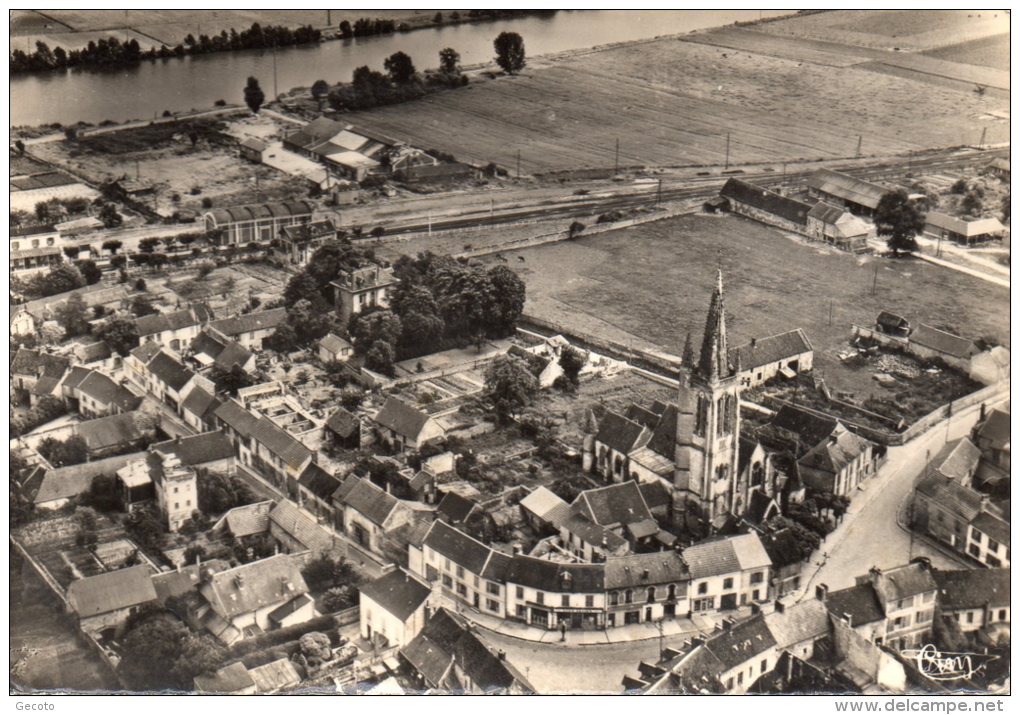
673	102
650	285
889	29
987	52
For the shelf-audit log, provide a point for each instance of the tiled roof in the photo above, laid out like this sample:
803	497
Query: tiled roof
184	580
455	507
280	443
401	418
248	519
951	495
743	641
145	352
772	349
664	436
535	363
251	322
45	386
654	462
197	449
621	434
427	658
544	504
305	232
457	546
75	375
200	402
725	555
169	371
318	481
826	213
104	390
398	592
616	504
807	620
111	591
334	344
29	362
995	428
231	678
962	226
903	582
176	320
369	500
636	570
591	533
299	525
252	586
765	200
232	414
942	342
343	422
67	482
961	462
93	352
810	428
277	615
497	567
277	675
973	588
111	431
992	526
655	494
847	187
833	455
858	603
553	576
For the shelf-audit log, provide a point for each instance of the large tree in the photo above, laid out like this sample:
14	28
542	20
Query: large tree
90	272
253	95
509	385
449	60
899	219
219	492
61	279
400	67
120	334
508	304
368	327
510	52
73	316
319	91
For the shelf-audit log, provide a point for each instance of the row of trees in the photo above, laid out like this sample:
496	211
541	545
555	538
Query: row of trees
111	52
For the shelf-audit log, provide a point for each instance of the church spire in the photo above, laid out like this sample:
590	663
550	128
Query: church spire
714	360
687	356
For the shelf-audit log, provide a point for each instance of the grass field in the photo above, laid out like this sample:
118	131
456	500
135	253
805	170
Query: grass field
673	102
986	52
650	285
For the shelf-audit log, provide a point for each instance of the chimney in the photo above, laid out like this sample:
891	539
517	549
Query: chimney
501	654
727	624
755	609
645	574
821	592
695	642
981	417
754	341
780	607
516	549
874	574
849	619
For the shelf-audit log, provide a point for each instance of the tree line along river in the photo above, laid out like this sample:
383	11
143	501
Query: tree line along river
197	82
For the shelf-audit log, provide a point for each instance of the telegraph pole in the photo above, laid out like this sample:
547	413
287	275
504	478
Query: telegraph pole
874	282
276	92
658	195
518	163
860	138
616	158
727	150
830	313
984	131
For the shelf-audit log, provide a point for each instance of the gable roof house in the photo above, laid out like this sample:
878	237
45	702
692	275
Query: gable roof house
839	463
36	374
928	342
392	608
166	378
343	428
974	598
859	196
544	367
838	227
544	509
369	513
619	508
210	348
296	531
404	426
727	572
762	359
961	230
116	433
241	602
173	330
103	603
99	396
251	329
765	206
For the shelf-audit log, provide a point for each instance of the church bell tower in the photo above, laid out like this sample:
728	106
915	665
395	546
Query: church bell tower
708	421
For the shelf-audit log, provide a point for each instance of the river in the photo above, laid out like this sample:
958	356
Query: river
181	84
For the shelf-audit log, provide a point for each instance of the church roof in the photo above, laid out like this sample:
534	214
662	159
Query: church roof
713	363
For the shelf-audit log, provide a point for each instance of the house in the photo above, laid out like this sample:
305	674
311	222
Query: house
727	572
275	676
212	348
199	407
988	537
392	608
839	463
1000	168
296	244
784	550
645	588
761	360
456	509
176	488
856	195
274	452
765	206
22	322
166	379
991	435
296	531
253	598
449	655
368	512
345	152
30	367
799	628
618	508
251	329
944	508
205	452
256	223
103	603
333	348
343	429
97	395
892	324
587	541
314	489
894	607
185	579
35	248
244	521
253	149
55	488
930	343
544	367
838	227
233	679
38	236
974	598
173	330
550	594
467	570
134	484
359	288
966	232
98	354
543	510
116	434
403	426
316	131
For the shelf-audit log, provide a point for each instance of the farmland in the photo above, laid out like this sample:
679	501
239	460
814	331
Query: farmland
649	285
986	52
673	102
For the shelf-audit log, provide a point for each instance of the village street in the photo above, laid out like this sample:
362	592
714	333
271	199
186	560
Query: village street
870	534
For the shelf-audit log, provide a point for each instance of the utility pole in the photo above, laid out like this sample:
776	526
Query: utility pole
860	138
137	170
518	163
984	131
658	195
616	158
492	207
658	624
784	175
430	224
276	93
727	150
874	282
830	313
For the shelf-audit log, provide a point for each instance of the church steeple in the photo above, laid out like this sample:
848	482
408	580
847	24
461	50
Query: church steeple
714	360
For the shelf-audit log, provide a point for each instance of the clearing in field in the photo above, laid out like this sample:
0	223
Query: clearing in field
649	285
674	101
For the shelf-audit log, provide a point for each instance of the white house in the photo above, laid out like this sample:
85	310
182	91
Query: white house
392	608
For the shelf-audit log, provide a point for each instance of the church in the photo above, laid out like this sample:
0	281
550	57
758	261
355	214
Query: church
694	445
